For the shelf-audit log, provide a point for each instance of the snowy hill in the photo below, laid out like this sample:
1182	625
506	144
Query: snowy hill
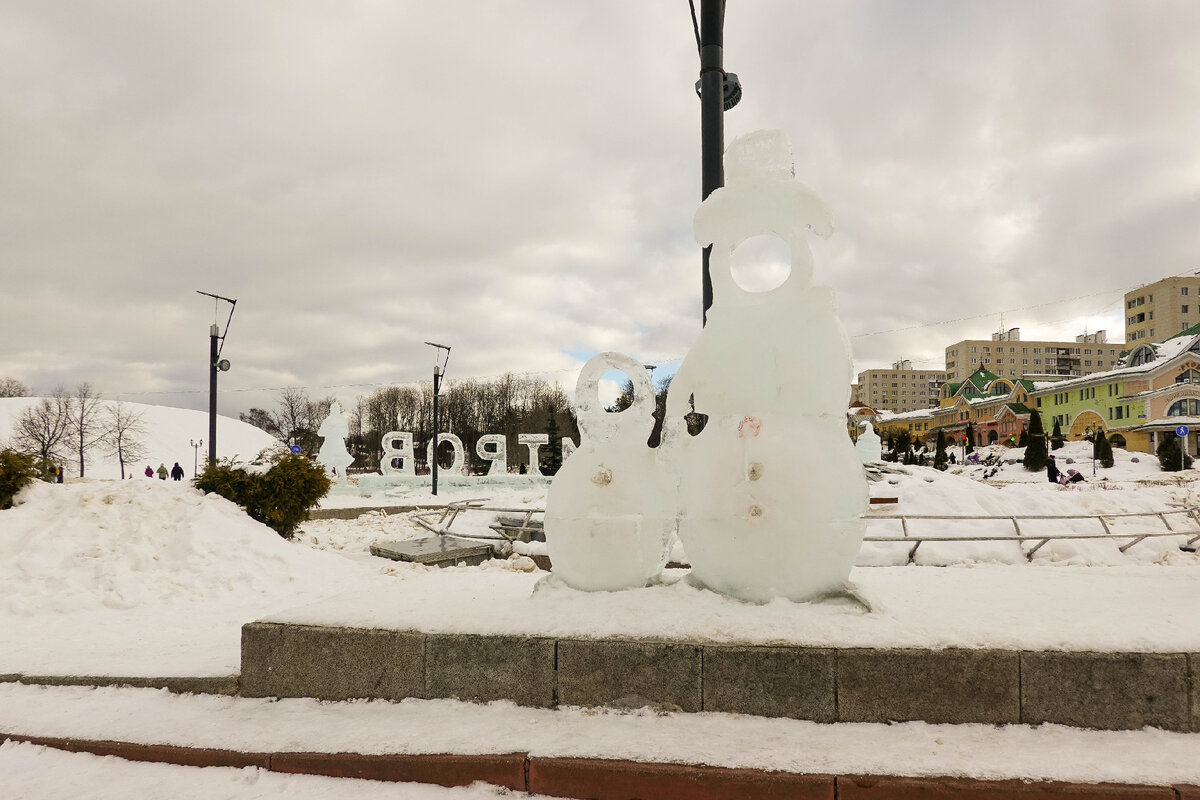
168	431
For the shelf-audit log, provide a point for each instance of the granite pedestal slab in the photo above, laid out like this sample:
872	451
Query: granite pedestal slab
1108	691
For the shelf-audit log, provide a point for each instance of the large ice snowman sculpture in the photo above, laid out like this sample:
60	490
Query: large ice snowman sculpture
607	518
771	491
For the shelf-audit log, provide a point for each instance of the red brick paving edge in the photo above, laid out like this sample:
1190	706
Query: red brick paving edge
610	779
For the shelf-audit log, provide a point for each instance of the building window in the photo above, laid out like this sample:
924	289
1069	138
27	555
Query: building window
1183	309
1184	291
1188	407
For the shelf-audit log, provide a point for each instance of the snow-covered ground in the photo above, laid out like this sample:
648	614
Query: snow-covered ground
150	578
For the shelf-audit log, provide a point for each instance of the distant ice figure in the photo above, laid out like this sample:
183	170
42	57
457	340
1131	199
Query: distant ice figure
869	445
605	526
333	454
771	491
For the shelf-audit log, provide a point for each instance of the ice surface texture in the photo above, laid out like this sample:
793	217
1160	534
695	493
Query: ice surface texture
771	370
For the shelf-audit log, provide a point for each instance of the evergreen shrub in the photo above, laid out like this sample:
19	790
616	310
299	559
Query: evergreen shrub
1168	453
1036	455
16	470
1104	453
280	498
1056	437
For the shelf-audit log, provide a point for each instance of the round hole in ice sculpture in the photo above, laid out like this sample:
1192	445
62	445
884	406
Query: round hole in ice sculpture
617	392
761	264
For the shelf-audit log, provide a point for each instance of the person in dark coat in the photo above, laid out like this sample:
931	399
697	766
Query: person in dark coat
176	472
149	471
1051	470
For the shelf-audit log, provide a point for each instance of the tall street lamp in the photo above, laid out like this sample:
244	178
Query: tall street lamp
719	91
439	371
1089	433
215	364
196	455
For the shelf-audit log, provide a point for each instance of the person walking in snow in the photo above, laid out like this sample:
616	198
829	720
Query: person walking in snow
1051	470
176	472
149	471
162	472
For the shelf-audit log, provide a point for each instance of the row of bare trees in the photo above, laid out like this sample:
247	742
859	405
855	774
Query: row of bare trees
510	404
294	419
66	426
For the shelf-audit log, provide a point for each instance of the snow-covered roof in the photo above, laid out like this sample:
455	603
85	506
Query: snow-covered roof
1163	352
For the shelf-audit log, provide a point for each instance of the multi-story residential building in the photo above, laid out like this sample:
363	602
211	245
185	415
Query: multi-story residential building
1006	355
1149	395
1157	311
1153	392
900	388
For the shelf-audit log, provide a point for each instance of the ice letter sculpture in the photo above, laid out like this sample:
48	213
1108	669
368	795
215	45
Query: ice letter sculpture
768	497
333	452
869	445
605	512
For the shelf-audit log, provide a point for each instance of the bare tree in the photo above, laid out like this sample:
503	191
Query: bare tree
261	419
42	428
84	419
11	387
124	434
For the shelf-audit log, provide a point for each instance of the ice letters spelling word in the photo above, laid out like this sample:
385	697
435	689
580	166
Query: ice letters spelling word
333	454
398	449
769	496
869	445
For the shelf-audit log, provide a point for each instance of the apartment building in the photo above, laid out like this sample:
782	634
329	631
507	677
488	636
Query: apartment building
1008	356
1157	311
900	388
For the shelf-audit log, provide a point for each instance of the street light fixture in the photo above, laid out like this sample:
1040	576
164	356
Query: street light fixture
439	371
215	364
196	455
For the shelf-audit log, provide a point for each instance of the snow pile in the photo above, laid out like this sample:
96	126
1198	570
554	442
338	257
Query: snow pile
126	544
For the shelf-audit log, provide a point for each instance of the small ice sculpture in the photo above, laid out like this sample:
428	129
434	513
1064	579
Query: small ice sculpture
869	445
605	513
534	442
333	454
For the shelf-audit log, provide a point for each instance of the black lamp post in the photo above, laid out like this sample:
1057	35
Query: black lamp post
439	371
196	455
719	91
1090	433
215	364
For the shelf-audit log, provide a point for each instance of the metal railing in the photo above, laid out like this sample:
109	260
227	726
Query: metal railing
1191	513
440	520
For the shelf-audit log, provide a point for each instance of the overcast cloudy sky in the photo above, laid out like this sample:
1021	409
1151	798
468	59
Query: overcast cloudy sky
518	179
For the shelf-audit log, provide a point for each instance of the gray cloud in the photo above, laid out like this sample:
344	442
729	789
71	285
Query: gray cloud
518	179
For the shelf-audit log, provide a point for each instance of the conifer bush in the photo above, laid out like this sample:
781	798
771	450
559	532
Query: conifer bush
1056	437
1036	455
940	459
280	498
16	470
1169	453
1104	453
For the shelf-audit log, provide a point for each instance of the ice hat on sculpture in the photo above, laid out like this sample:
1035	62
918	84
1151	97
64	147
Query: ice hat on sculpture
771	491
605	513
869	445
